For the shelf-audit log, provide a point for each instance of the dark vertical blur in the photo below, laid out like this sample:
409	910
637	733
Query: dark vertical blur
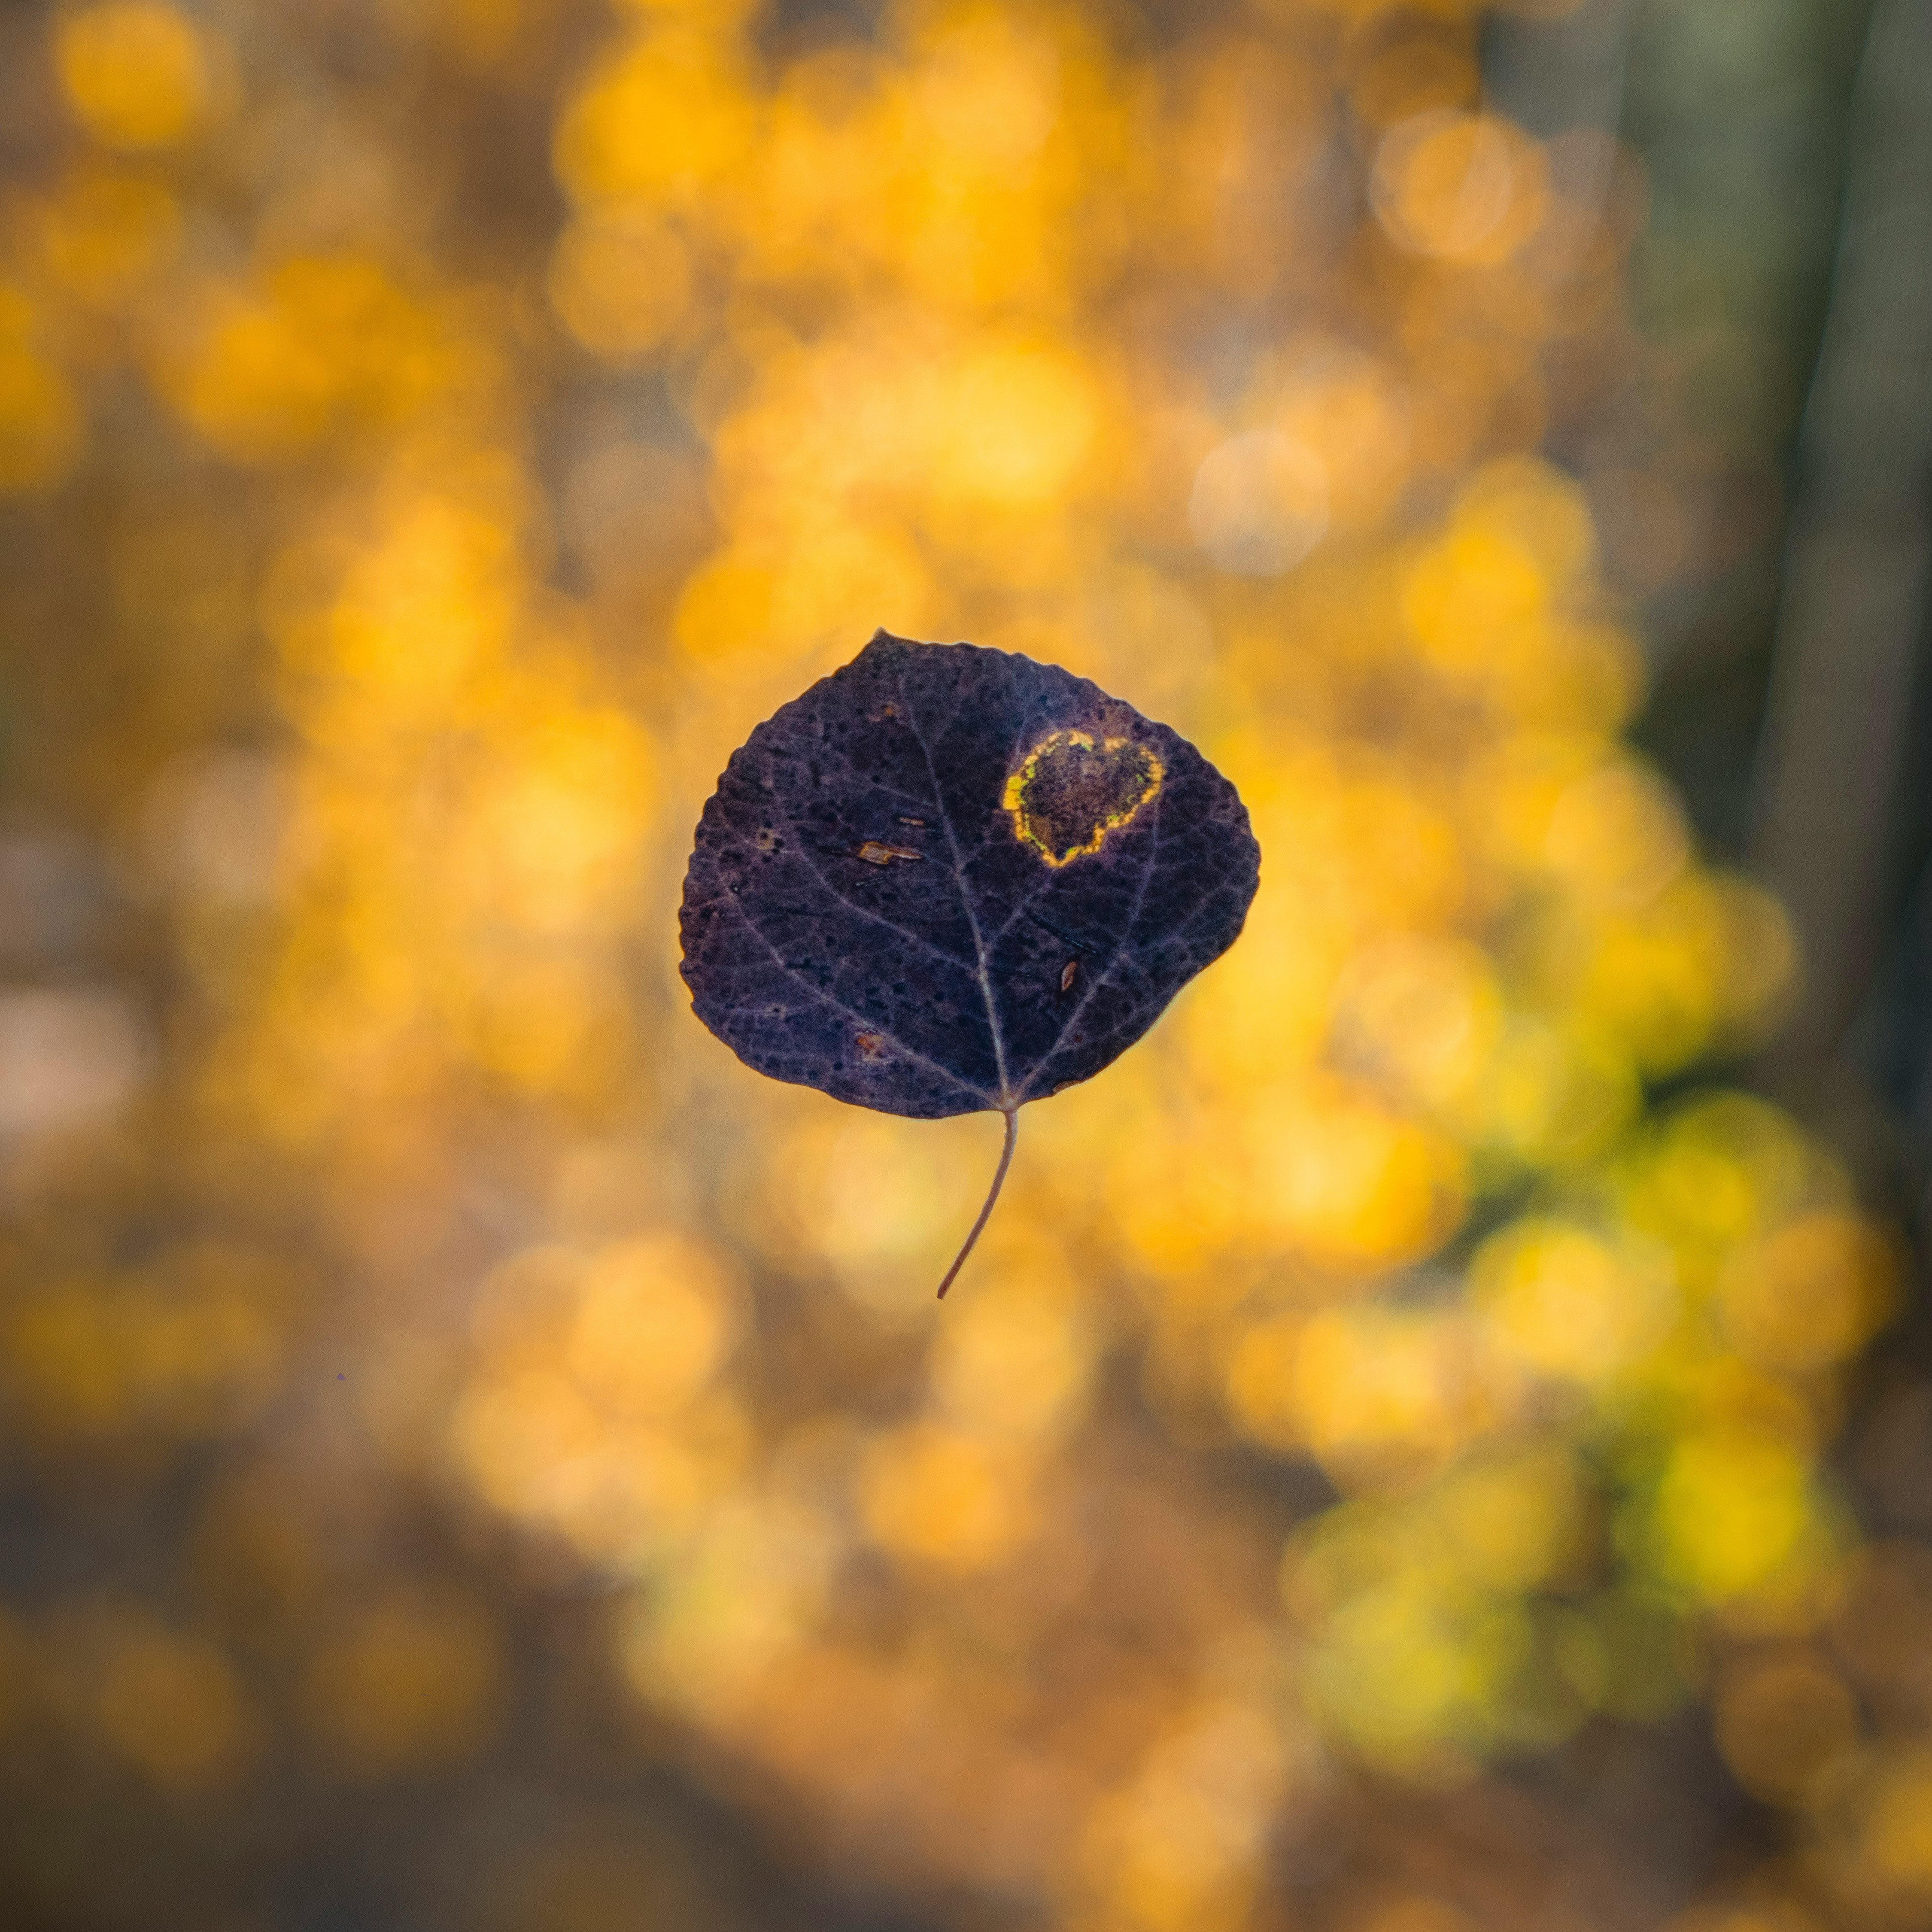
1845	748
1740	114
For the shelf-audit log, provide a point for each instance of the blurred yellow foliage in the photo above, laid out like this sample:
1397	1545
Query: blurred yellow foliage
931	1495
100	235
168	1703
41	425
317	344
406	1679
1785	1723
136	73
1569	1305
1372	1378
192	1347
619	285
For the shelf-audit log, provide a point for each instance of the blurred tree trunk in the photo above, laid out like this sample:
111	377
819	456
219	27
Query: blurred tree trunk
1554	75
1851	624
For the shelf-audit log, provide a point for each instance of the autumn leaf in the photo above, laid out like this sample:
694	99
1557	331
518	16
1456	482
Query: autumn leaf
948	880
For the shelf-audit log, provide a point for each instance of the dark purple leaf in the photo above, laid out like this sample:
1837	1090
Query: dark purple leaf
950	880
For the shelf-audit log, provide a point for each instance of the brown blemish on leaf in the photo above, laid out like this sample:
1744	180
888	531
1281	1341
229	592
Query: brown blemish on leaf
1071	790
871	1045
767	840
1068	974
874	853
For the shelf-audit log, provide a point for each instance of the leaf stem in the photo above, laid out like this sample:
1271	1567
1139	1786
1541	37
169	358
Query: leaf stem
993	1194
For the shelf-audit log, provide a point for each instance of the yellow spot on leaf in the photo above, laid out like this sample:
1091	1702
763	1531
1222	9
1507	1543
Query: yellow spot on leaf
1071	791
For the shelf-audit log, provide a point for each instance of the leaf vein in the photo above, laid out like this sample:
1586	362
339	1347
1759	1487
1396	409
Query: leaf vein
983	975
852	1013
1106	972
878	918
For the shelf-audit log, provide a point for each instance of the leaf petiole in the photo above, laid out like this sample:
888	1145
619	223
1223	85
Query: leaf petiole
1012	1114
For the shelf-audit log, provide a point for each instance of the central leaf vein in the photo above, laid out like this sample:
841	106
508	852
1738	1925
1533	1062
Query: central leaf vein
983	975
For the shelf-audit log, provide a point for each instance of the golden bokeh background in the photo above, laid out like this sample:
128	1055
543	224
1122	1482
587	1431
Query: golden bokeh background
478	1457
